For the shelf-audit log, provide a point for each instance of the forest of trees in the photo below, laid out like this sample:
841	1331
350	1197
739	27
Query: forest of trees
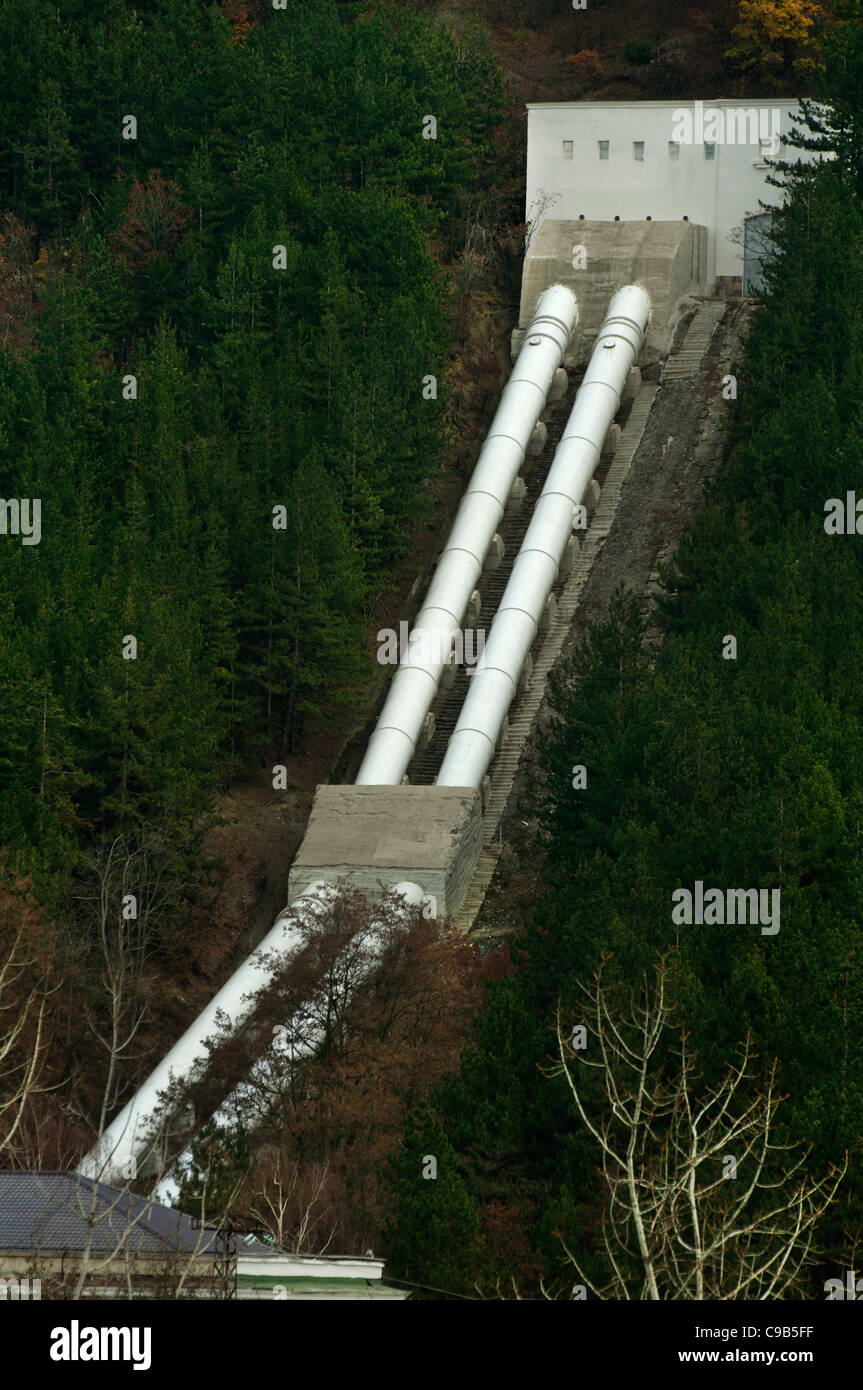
264	378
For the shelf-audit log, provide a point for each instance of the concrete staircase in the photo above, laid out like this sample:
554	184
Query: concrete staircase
685	364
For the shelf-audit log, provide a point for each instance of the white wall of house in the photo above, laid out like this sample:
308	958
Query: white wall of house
284	1266
567	177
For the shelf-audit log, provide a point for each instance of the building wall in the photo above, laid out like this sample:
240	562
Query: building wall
717	193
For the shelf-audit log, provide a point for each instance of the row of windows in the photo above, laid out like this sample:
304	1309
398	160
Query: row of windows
638	149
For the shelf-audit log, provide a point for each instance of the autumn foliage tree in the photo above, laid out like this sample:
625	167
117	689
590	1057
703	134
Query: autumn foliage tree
586	62
153	222
236	12
775	38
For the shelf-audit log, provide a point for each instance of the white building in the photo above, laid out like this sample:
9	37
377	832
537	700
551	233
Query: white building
664	160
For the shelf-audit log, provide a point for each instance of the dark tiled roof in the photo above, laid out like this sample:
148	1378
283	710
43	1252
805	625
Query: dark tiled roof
48	1212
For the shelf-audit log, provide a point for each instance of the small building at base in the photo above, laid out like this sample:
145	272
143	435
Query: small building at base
705	161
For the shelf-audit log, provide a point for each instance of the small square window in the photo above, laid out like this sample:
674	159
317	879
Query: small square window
674	149
603	149
638	150
567	149
709	149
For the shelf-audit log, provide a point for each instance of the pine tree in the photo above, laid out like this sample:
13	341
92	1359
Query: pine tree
432	1239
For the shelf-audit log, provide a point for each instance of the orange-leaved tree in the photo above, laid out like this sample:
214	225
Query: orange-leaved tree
153	222
775	39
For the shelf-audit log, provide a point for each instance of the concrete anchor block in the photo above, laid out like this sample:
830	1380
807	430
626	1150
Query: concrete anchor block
485	792
612	441
548	613
448	675
632	385
538	440
495	554
426	733
474	608
518	493
386	835
592	496
559	386
570	555
516	341
501	738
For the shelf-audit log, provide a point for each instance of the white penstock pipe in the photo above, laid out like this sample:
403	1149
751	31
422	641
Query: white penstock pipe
431	641
251	1099
130	1135
516	622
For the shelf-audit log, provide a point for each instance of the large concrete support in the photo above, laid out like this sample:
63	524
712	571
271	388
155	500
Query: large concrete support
496	552
570	555
523	604
394	741
559	386
632	387
669	259
517	494
373	836
538	439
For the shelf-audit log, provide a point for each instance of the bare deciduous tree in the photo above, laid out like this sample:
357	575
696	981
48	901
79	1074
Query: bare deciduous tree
123	895
19	1070
286	1201
703	1201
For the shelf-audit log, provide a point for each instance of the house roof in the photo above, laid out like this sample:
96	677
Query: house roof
49	1212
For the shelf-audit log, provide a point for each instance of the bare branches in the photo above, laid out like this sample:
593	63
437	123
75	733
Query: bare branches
287	1200
19	1069
703	1200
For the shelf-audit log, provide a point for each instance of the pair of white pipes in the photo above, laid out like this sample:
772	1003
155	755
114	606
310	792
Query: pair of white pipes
130	1135
516	623
438	624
